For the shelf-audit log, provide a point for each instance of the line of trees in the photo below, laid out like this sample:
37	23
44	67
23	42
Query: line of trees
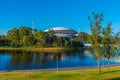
24	36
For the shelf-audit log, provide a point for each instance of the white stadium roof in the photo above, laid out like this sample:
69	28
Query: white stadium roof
63	31
58	28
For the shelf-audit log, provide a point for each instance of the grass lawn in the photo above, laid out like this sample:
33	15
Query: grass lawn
37	49
86	74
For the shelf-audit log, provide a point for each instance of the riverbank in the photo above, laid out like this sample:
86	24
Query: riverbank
85	74
36	49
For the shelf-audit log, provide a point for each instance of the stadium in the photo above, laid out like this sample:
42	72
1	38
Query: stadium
63	32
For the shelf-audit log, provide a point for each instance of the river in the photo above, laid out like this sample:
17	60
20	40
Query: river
21	60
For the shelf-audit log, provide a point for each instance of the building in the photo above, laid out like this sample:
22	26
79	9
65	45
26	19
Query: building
63	32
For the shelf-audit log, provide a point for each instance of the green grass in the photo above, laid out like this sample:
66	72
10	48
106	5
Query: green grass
86	74
37	49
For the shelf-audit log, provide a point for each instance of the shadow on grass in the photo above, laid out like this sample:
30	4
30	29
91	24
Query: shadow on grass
115	79
111	72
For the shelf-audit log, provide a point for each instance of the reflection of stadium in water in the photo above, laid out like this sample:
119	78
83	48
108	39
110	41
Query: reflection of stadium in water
63	31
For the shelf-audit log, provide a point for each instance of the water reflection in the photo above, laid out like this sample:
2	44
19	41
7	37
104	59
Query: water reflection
17	60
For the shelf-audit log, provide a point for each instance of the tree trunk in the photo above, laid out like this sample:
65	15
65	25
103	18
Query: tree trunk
99	68
108	64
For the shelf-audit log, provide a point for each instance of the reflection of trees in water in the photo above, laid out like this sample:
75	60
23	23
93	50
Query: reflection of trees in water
23	60
20	58
79	54
44	57
2	52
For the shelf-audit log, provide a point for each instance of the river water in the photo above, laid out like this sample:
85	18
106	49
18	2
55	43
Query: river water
21	60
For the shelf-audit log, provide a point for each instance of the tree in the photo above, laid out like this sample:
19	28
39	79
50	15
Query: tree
75	43
26	41
57	41
40	37
66	43
95	25
13	37
108	43
26	36
3	40
117	39
50	37
82	36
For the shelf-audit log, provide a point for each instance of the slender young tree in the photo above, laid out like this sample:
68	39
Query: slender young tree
117	39
108	43
95	25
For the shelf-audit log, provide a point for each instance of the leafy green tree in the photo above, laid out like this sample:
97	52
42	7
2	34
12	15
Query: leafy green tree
25	33
50	37
26	41
57	41
95	25
75	43
66	43
117	39
3	40
40	37
51	32
108	44
83	37
13	37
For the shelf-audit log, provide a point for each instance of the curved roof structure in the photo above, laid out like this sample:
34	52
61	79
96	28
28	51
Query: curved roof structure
63	31
58	28
61	28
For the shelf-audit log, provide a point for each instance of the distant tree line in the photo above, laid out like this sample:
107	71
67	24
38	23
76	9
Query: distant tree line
24	36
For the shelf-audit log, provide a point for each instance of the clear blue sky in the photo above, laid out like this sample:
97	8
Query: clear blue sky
51	13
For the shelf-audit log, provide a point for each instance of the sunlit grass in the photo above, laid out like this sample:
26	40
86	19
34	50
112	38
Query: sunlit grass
87	74
38	49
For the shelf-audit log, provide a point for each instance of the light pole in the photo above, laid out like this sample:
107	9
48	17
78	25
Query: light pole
33	27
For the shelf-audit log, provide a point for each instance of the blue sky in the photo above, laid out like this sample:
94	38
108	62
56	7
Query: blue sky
52	13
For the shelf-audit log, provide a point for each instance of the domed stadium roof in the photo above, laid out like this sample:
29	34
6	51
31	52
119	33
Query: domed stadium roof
59	28
63	31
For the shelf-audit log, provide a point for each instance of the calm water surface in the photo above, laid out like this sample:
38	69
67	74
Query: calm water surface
20	60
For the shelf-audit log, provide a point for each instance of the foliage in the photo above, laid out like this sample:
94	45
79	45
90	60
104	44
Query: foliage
108	43
26	36
3	40
40	38
13	37
83	37
94	39
57	42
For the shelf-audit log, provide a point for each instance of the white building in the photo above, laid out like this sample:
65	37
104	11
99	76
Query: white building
63	32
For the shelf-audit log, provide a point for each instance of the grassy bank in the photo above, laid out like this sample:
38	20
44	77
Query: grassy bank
36	49
87	74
